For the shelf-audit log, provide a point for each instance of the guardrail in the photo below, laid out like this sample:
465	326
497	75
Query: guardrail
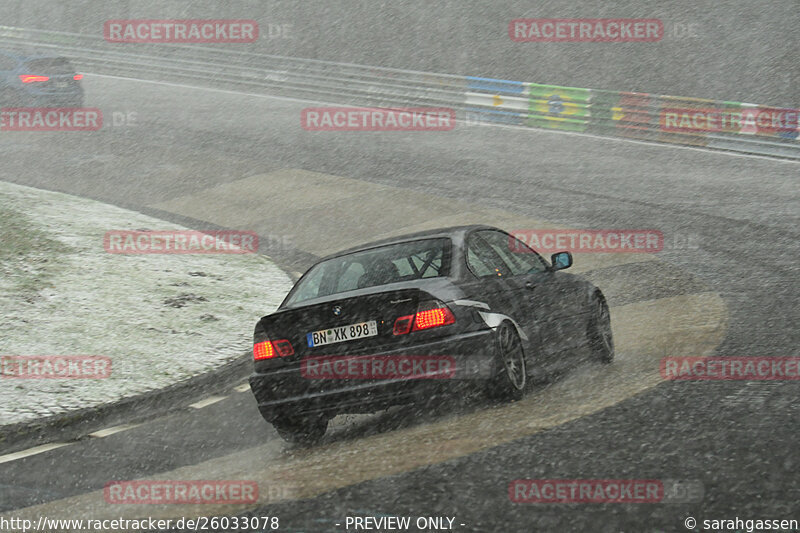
736	126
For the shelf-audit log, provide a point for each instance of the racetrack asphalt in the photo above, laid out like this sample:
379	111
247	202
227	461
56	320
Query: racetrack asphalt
737	439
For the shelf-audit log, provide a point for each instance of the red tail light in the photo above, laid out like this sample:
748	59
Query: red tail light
403	325
30	78
77	77
433	318
263	350
284	348
269	349
429	315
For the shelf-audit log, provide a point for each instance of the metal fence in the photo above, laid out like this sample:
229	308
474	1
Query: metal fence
737	126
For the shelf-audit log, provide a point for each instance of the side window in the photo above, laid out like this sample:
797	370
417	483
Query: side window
482	260
517	256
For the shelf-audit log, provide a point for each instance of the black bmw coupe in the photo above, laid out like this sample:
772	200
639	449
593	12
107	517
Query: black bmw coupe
405	319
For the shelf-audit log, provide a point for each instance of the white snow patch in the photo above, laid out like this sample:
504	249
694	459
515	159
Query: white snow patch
113	305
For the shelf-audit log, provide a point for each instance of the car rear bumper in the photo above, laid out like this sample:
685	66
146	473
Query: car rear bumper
286	392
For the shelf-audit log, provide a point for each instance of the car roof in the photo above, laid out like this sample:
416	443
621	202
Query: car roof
452	232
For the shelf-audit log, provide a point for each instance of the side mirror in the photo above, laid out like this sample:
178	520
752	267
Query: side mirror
561	260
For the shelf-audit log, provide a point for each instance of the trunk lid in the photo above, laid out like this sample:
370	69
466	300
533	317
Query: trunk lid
383	308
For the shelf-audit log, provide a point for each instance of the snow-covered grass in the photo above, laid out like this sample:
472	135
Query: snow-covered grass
160	318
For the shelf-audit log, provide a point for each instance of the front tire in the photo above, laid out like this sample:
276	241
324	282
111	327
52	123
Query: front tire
601	340
511	376
301	430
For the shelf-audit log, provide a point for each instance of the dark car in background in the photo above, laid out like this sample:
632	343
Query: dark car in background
473	297
38	81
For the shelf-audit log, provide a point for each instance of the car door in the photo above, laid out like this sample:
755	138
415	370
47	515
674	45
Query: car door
548	298
491	286
488	285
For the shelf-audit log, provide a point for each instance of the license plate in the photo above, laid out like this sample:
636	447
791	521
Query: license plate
61	84
342	333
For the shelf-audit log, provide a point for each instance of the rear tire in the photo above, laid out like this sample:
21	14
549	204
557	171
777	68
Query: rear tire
301	430
601	339
511	378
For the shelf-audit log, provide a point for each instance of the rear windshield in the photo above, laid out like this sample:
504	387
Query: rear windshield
50	65
405	261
